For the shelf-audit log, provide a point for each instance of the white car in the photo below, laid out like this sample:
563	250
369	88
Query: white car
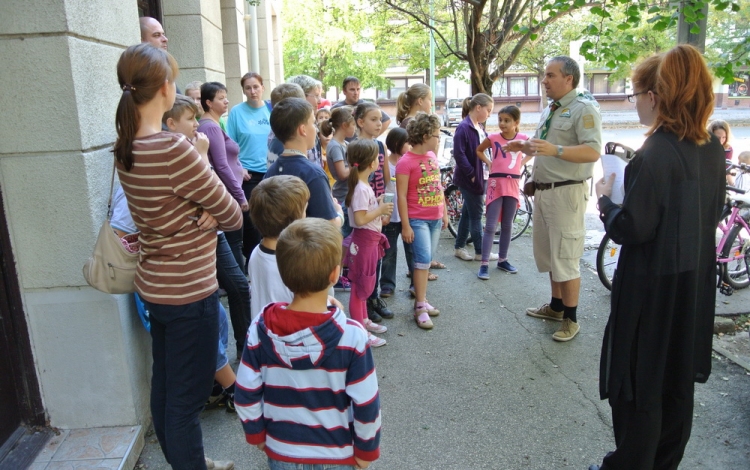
452	113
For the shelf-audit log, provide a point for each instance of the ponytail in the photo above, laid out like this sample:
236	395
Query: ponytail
480	99
141	72
406	100
360	154
339	117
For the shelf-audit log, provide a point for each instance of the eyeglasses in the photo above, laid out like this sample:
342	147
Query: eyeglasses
317	97
436	136
631	98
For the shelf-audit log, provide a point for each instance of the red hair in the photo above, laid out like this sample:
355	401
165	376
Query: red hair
685	89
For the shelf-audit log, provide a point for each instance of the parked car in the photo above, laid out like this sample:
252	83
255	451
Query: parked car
452	113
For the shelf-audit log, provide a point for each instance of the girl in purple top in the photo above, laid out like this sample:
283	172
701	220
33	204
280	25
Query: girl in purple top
368	243
223	156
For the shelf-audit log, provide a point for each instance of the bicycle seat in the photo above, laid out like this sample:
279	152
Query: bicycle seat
743	198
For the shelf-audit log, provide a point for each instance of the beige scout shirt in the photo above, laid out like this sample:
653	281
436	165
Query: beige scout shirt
577	121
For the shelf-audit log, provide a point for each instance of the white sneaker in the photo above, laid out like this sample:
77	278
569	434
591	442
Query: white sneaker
374	341
374	327
461	253
493	257
219	464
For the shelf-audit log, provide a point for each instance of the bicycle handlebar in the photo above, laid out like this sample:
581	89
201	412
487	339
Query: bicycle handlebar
744	167
736	190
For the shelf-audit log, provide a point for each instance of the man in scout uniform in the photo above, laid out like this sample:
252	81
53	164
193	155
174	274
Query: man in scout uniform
567	143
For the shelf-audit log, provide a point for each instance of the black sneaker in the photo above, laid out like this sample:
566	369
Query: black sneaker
229	402
379	306
214	401
372	314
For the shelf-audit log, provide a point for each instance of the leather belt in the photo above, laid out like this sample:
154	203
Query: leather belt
543	186
505	175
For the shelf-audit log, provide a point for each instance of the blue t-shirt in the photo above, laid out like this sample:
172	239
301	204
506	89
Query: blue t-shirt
249	127
321	202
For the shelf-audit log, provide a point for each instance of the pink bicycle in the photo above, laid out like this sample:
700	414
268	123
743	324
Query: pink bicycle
733	249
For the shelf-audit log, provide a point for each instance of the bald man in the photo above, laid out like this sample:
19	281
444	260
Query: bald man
153	33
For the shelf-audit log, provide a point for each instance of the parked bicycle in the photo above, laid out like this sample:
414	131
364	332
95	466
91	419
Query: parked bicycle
732	251
608	252
521	221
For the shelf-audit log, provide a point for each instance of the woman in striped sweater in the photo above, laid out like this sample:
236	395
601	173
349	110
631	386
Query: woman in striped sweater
177	203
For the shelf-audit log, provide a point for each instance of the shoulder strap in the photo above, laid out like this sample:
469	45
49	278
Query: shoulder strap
111	191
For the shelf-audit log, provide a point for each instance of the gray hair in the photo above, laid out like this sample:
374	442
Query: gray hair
569	67
307	83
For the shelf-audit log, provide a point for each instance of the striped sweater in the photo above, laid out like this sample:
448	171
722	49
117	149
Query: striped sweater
167	184
311	396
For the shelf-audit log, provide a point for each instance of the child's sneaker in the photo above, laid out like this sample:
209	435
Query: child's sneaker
461	253
229	402
375	342
344	285
374	327
507	267
484	272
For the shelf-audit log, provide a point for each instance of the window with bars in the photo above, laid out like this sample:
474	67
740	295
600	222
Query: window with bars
150	8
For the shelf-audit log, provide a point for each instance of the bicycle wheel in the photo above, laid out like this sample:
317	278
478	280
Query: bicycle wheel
606	260
736	270
454	204
523	216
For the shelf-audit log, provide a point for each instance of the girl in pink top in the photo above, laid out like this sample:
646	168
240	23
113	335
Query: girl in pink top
421	206
368	243
502	188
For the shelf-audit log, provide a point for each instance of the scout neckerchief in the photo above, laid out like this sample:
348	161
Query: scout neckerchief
545	128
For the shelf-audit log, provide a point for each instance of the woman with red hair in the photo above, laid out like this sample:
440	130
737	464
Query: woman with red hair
657	343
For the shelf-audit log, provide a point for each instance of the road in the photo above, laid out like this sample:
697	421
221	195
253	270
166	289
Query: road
488	388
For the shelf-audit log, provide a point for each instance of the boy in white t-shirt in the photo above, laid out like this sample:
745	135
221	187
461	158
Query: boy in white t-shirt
275	203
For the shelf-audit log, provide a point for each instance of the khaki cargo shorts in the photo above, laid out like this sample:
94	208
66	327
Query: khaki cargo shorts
559	230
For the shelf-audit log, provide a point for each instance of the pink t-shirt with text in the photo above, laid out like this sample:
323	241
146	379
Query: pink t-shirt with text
363	199
424	198
503	162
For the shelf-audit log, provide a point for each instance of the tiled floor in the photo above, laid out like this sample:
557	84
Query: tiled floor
114	448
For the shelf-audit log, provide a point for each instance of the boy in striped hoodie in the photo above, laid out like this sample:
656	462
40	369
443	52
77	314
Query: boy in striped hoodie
307	390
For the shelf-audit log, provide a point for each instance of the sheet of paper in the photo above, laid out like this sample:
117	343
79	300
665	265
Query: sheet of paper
614	164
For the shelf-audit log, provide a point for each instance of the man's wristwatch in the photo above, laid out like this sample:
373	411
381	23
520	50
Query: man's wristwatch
559	151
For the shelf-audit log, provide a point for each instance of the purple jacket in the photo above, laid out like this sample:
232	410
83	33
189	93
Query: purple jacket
223	154
468	166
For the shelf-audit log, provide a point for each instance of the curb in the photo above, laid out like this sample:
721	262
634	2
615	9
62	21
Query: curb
732	357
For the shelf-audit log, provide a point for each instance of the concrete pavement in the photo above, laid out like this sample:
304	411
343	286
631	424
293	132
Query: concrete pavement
488	388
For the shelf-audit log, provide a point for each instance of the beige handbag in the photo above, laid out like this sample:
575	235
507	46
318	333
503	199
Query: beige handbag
111	268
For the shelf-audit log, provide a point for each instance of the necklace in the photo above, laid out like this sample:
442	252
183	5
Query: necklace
293	152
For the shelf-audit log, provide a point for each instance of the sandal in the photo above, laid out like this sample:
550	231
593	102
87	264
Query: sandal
423	319
431	311
430	277
437	265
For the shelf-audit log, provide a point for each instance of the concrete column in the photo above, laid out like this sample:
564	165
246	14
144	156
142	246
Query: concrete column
195	39
266	52
59	66
235	49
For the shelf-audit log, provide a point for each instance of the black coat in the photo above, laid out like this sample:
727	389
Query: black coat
659	333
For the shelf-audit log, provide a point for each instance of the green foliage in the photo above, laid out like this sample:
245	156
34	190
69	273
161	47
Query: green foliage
332	40
617	35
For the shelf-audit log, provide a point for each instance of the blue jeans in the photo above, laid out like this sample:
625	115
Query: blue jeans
221	355
231	278
388	269
234	238
471	220
183	347
426	237
279	465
